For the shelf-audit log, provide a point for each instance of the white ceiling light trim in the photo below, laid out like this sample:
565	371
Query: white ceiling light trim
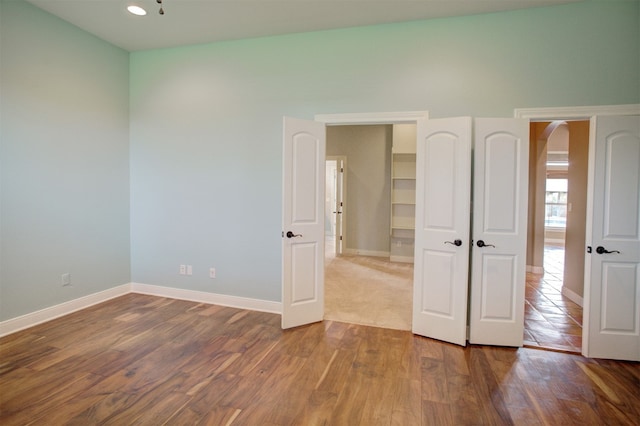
136	10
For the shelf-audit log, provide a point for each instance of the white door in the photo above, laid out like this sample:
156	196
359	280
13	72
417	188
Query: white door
443	181
303	222
612	269
339	207
501	161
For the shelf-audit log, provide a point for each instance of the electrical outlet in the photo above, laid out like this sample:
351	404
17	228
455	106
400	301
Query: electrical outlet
189	270
212	272
183	269
66	279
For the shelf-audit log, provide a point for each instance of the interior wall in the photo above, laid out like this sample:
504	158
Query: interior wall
206	120
537	185
557	141
577	198
368	152
205	132
64	161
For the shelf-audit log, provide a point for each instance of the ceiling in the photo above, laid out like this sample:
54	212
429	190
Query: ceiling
202	21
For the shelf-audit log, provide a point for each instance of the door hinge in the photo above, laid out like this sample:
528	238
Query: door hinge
341	170
340	237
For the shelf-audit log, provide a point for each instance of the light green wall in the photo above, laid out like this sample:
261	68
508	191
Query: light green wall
368	152
203	126
64	161
206	130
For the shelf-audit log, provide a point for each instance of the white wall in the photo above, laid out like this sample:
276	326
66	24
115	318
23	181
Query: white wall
64	159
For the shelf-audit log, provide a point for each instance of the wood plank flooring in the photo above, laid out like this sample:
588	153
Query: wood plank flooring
151	361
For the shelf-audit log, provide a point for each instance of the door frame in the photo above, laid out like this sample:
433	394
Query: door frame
370	118
579	113
341	216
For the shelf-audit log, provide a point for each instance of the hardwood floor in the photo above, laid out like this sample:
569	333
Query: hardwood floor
151	361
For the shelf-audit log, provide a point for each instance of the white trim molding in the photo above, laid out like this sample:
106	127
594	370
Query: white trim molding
535	269
372	118
575	113
47	314
208	298
573	296
14	325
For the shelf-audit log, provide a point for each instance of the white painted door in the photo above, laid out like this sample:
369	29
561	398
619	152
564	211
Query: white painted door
443	181
501	162
339	207
612	269
303	222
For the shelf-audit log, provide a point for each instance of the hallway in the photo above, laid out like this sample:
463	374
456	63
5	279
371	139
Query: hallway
551	319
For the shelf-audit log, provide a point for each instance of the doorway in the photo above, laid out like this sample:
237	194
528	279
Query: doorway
558	191
335	207
303	293
362	284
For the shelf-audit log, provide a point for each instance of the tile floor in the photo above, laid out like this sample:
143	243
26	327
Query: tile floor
551	320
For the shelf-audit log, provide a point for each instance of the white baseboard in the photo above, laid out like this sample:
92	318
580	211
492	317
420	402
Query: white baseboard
47	314
573	296
209	298
535	269
358	252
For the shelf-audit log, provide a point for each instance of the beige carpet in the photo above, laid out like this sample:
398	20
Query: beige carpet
369	291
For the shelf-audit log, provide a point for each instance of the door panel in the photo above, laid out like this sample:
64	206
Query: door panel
501	161
303	219
612	274
443	176
340	203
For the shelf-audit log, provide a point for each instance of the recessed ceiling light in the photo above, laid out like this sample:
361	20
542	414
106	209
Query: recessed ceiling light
136	10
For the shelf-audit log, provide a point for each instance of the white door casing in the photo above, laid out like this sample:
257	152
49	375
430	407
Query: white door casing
501	161
340	207
443	182
304	147
612	280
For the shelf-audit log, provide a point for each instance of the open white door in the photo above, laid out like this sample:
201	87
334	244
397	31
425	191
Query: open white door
612	269
443	181
498	275
303	222
340	207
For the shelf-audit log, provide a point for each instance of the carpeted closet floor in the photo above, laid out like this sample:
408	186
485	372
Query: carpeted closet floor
356	295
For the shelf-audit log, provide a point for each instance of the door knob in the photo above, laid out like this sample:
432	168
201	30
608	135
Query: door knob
454	242
602	250
481	243
291	234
